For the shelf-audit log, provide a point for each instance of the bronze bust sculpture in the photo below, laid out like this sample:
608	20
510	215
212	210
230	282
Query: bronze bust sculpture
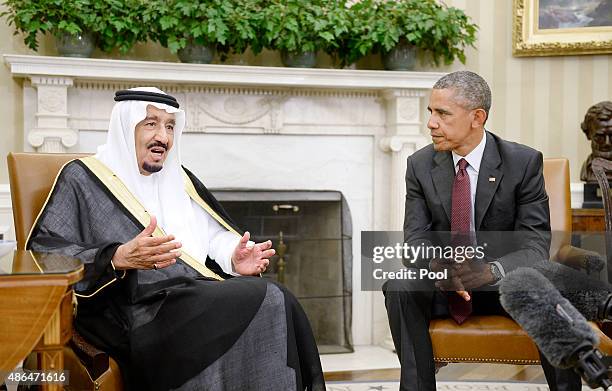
597	126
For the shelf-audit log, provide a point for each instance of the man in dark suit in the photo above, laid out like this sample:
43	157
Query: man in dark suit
468	180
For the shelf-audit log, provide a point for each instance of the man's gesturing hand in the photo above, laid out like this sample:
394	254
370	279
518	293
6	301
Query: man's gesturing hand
146	252
251	260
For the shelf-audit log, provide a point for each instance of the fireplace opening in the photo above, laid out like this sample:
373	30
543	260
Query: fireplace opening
312	234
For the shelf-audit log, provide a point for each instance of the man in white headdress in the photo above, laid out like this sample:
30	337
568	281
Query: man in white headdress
160	257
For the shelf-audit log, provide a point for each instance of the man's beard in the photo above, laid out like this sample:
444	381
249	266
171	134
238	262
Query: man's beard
152	168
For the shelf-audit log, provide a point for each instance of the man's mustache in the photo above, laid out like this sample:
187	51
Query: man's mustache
157	144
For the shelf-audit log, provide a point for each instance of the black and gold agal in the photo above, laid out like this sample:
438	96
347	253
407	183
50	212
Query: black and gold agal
147	96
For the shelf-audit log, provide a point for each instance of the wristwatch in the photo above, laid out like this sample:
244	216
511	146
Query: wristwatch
496	273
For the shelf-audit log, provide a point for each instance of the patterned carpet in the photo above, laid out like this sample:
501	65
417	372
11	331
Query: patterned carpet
442	386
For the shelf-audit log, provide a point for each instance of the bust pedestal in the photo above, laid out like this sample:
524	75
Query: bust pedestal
592	196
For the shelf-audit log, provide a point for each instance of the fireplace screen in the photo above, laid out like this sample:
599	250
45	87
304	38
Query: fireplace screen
311	232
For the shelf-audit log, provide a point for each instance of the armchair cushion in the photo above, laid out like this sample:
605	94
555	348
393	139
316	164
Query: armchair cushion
495	339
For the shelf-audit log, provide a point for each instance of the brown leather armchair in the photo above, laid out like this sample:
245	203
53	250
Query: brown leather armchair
31	177
497	339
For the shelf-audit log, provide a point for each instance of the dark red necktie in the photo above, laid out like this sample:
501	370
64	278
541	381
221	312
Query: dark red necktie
461	215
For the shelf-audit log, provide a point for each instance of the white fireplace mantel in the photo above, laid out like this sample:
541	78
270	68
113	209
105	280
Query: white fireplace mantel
258	128
227	75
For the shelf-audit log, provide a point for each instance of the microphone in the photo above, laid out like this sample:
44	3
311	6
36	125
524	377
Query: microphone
560	331
593	298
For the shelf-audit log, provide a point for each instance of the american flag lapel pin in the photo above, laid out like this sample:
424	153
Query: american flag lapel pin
491	179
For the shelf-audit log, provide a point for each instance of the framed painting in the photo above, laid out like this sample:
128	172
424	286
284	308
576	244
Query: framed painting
562	27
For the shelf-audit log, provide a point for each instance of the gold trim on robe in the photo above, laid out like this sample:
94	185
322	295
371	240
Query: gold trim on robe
40	212
134	207
193	193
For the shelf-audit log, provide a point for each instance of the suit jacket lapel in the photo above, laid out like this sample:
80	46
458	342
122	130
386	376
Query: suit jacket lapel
486	188
443	175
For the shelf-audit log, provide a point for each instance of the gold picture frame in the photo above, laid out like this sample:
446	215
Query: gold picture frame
528	39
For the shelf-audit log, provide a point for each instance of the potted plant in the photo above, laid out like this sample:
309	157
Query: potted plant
78	25
244	19
195	29
360	38
298	29
188	28
338	23
397	28
70	22
119	24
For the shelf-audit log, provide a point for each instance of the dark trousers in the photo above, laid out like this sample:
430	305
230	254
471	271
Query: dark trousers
410	307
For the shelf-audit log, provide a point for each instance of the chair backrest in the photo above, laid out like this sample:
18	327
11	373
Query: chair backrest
31	176
557	183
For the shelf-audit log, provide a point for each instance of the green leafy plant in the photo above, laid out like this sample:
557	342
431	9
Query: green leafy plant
228	25
338	24
119	24
298	26
31	17
244	20
179	22
293	26
361	38
379	25
114	23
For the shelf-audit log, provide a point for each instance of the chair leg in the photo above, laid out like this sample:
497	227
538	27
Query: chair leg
440	365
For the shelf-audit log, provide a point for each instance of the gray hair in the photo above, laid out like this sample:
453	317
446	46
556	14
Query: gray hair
471	90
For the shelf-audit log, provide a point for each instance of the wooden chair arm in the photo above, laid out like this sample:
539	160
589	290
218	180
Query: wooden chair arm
95	360
579	258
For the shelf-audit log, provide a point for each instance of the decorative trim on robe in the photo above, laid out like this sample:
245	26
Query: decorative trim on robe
40	212
44	205
193	193
134	207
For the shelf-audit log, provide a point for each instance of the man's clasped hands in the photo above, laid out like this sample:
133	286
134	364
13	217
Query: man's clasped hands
462	276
